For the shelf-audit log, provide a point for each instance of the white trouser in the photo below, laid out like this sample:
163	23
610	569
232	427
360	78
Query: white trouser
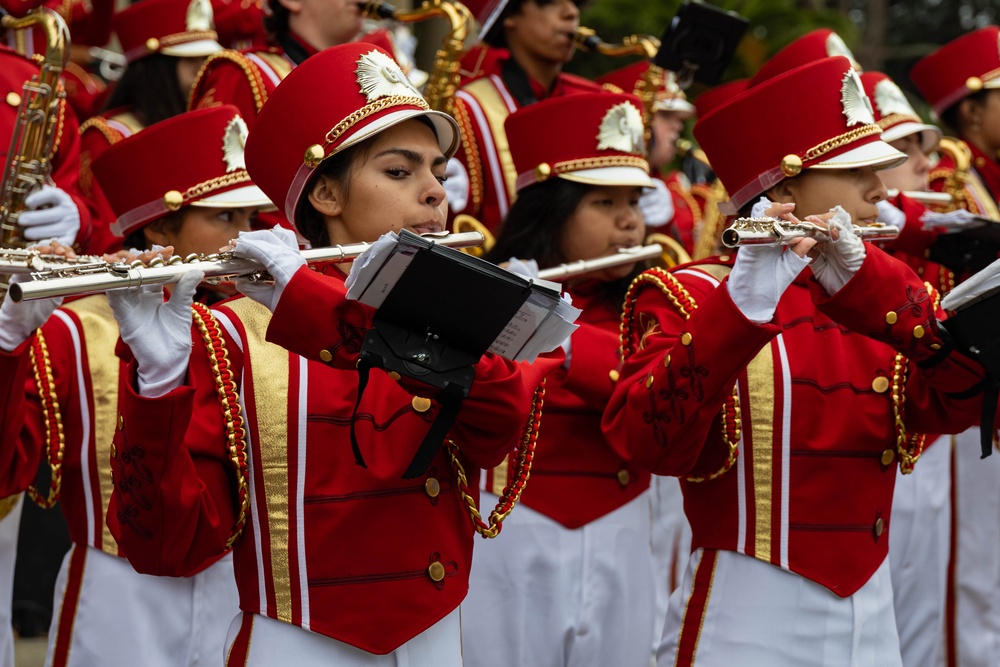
977	562
9	526
274	643
671	540
919	542
126	618
759	615
544	595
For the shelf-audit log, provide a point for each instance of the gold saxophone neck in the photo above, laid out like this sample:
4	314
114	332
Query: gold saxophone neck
958	151
443	80
632	45
56	33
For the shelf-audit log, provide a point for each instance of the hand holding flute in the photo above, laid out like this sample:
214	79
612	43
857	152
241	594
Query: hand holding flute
776	231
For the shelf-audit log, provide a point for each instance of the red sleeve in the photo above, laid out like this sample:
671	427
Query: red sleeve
914	239
173	506
20	451
230	77
643	422
902	314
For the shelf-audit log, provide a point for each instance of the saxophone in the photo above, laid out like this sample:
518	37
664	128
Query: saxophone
443	82
966	189
653	78
39	121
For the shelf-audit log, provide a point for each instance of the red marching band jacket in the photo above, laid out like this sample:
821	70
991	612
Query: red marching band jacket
577	477
801	476
61	403
482	104
359	555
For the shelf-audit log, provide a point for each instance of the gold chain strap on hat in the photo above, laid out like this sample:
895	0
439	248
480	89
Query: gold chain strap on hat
525	455
732	426
841	140
218	358
373	108
55	438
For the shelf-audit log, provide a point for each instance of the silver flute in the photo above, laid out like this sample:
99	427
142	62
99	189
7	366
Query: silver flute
15	261
775	232
90	279
585	266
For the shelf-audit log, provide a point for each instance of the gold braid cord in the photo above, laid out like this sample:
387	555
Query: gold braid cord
253	75
908	447
525	455
55	439
685	305
218	357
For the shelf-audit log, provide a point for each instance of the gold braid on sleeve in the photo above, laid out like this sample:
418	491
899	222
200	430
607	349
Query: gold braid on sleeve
218	358
55	439
523	457
685	304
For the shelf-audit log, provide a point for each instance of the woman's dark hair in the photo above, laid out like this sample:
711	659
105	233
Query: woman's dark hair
951	118
308	220
276	22
150	88
535	224
169	224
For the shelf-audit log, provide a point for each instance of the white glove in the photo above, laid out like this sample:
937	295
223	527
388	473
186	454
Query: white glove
657	204
891	215
277	249
953	221
53	215
527	268
19	320
456	185
839	260
380	249
759	278
157	331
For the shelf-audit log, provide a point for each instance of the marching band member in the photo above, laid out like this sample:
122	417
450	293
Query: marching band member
959	81
781	396
54	212
921	502
669	204
334	563
526	45
296	30
580	542
164	42
104	612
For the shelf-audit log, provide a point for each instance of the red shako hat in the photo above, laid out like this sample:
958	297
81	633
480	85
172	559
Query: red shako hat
815	45
337	98
194	159
594	138
715	97
670	97
182	28
960	68
765	135
894	114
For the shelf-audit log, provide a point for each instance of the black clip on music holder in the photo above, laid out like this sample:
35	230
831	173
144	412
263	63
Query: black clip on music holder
699	43
974	329
440	317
